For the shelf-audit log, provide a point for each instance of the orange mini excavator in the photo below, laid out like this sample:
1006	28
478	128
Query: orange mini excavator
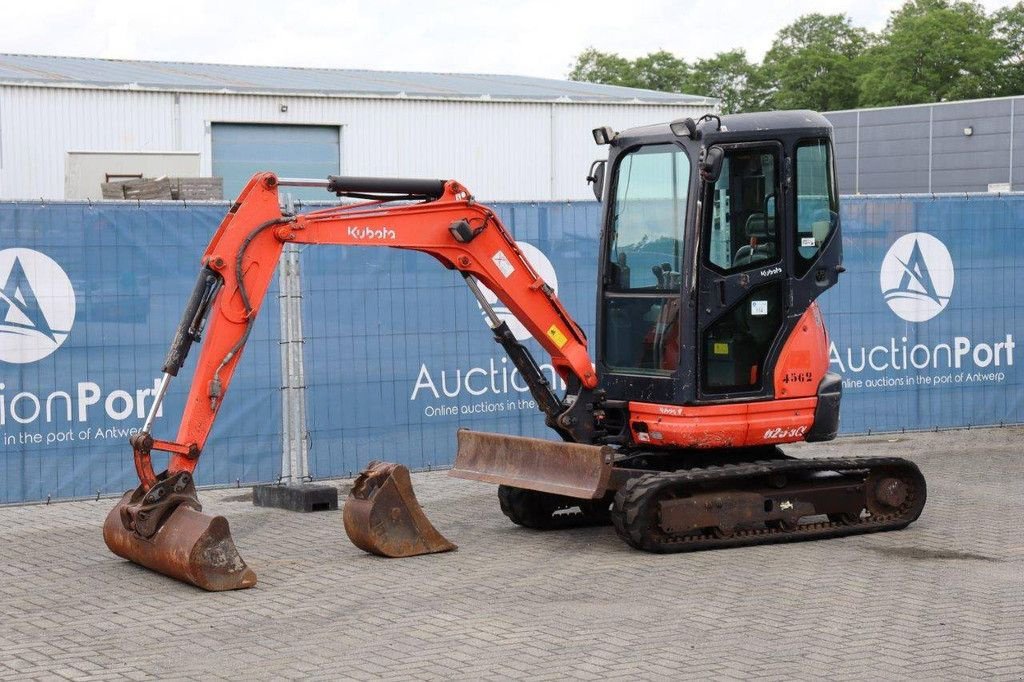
717	237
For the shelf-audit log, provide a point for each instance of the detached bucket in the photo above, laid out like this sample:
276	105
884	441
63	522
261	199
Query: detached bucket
383	517
163	530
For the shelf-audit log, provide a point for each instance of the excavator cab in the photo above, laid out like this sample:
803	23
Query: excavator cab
715	243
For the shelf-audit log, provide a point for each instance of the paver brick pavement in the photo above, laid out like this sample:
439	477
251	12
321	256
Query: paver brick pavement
943	599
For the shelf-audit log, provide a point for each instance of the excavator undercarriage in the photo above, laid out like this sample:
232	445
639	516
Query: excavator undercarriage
682	501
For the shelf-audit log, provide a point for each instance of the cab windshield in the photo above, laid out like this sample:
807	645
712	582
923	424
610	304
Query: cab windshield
642	281
646	246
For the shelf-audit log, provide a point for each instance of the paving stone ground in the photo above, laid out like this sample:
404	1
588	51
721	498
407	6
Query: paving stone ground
943	599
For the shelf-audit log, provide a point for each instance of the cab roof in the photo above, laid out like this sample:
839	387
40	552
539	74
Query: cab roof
782	121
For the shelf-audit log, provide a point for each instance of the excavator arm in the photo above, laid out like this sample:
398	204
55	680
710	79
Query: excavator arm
160	524
446	223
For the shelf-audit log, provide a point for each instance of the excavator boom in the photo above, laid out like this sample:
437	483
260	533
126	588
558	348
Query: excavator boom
236	270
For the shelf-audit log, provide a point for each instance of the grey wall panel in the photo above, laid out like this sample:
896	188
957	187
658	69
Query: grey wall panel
960	111
967	160
893	116
893	132
980	127
966	180
907	149
979	145
923	148
842	118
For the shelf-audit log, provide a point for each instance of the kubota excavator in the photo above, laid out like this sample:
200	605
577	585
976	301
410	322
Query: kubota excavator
717	237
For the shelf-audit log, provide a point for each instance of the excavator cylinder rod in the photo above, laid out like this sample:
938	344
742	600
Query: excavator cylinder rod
383	517
570	469
164	529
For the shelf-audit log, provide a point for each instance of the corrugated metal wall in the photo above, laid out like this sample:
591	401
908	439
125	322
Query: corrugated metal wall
500	150
923	148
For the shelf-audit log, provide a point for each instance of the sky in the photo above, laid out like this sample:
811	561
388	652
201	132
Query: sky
522	37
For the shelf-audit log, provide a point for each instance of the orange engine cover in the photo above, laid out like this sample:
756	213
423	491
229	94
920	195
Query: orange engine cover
786	418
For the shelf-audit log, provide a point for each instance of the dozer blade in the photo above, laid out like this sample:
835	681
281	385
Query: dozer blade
570	469
383	517
166	532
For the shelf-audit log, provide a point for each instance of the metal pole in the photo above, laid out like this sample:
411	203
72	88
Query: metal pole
294	446
287	456
298	369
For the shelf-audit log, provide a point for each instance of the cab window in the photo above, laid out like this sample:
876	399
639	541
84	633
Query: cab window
817	207
744	211
646	245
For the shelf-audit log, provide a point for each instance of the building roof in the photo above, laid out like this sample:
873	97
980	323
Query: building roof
16	69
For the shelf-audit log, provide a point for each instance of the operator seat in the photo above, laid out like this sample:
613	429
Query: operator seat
760	231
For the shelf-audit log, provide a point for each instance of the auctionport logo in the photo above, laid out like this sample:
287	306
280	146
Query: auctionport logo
37	306
543	267
917	277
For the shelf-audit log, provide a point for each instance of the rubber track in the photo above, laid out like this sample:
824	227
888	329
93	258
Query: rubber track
537	510
634	514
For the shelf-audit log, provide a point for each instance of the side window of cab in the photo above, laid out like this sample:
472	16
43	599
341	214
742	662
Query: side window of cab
817	206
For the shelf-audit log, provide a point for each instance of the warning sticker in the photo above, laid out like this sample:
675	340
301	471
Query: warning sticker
807	241
721	348
503	263
556	335
759	307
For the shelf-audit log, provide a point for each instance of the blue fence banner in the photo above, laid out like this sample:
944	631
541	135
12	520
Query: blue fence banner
926	320
924	326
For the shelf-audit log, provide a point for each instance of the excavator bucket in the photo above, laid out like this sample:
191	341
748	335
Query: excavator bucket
165	530
383	517
570	469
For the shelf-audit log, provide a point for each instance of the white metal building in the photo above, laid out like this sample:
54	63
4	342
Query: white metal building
67	124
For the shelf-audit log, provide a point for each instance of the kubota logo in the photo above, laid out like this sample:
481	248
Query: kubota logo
543	267
371	233
37	306
917	277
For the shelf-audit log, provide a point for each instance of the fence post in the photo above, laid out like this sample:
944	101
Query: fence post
294	446
293	490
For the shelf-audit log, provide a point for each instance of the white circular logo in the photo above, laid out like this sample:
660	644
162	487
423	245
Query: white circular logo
543	267
917	277
37	306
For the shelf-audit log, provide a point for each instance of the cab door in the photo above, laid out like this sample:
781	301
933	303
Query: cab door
741	274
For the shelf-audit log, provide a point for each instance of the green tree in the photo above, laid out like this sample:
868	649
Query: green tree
729	77
594	66
933	51
814	63
725	76
662	71
1009	30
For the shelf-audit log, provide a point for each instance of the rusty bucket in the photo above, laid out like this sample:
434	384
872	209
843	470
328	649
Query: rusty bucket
164	529
383	517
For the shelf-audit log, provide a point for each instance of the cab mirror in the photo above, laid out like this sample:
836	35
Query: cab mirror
595	178
711	161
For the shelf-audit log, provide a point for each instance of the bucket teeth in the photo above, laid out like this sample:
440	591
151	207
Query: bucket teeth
383	517
167	533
